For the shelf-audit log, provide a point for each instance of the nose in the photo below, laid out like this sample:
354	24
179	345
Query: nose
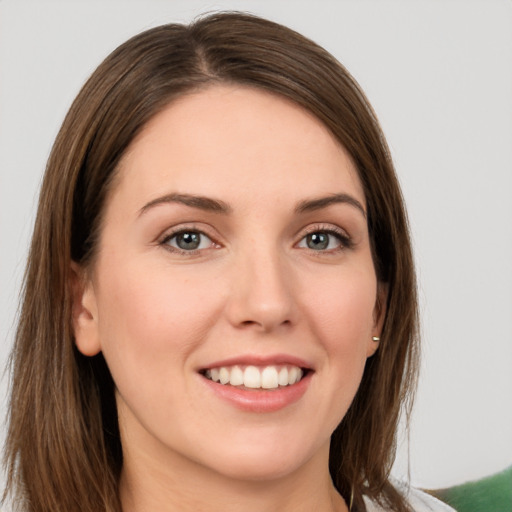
261	295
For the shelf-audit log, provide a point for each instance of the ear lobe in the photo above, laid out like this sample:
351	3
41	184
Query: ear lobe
379	315
84	312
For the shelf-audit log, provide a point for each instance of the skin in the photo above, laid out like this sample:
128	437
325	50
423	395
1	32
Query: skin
254	287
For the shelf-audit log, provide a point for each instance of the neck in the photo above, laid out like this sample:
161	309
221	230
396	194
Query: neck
184	486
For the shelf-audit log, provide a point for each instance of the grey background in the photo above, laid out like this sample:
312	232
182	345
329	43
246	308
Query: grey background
439	75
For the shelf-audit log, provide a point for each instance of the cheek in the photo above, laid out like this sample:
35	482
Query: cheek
147	314
344	311
342	318
151	321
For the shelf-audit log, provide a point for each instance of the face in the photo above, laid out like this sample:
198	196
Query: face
234	294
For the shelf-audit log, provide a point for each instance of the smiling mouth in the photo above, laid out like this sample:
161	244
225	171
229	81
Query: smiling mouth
256	377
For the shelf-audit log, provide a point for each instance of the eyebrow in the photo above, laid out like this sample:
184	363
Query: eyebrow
202	203
218	206
311	205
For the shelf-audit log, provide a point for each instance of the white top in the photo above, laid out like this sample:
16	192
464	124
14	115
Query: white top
419	501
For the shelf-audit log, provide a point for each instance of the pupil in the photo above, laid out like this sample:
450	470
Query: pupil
318	241
188	241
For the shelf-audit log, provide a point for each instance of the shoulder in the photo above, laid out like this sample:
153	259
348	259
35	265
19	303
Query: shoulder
419	501
423	502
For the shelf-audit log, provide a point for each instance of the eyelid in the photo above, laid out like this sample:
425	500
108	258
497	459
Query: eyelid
184	228
345	239
326	227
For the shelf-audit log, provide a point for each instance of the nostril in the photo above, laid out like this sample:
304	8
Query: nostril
264	325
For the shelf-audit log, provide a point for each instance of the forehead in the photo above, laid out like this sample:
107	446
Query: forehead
229	139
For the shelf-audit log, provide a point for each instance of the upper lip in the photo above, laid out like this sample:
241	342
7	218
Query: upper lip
261	360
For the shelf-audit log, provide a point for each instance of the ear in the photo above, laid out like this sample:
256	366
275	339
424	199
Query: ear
84	312
379	315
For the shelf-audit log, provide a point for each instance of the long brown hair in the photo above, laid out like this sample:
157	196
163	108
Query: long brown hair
63	451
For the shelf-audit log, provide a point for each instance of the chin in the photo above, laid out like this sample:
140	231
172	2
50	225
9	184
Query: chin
260	461
260	470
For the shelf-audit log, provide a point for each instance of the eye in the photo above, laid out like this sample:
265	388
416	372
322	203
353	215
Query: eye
188	241
324	240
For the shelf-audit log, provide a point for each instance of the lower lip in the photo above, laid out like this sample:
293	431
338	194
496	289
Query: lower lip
260	400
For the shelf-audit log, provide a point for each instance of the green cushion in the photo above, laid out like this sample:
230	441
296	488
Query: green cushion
490	494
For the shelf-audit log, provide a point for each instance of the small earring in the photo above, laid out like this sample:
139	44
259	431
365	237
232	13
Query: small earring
376	339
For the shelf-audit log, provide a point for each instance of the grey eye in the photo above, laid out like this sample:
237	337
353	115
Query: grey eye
317	241
322	241
189	241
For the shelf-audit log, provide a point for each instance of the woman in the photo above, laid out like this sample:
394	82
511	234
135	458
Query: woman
219	306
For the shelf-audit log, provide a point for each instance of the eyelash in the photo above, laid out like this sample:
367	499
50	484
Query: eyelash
183	230
344	240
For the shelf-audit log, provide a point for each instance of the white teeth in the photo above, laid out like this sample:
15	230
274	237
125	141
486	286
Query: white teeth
292	375
237	376
283	376
224	375
252	377
267	377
